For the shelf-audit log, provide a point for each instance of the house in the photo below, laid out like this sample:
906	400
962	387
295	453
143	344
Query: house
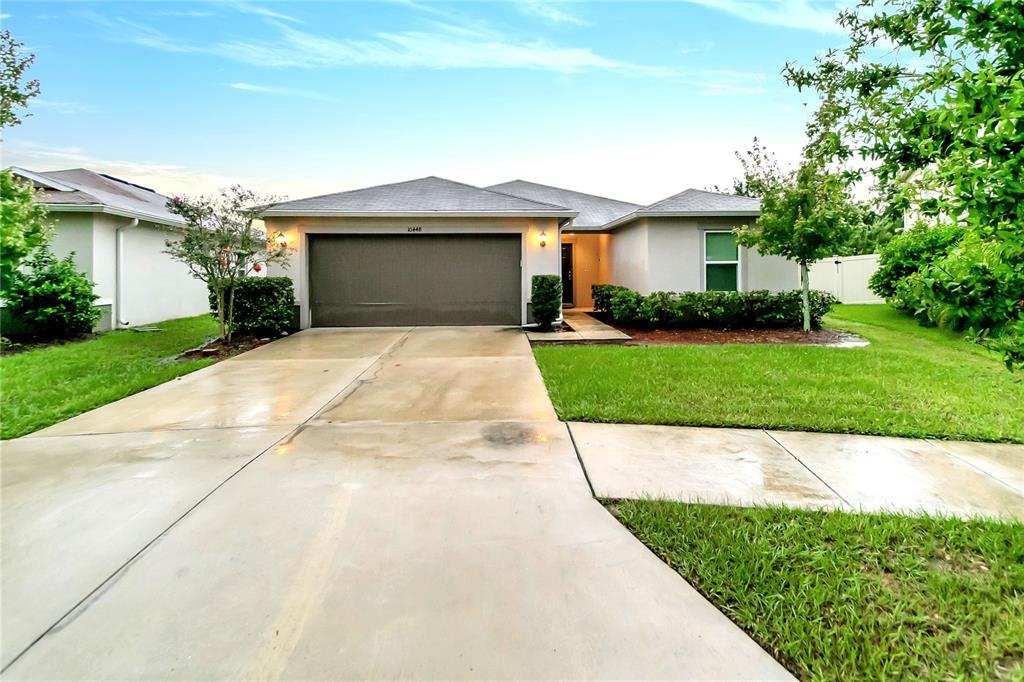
117	231
434	251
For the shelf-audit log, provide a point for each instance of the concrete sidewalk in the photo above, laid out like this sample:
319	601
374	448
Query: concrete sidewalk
584	329
749	467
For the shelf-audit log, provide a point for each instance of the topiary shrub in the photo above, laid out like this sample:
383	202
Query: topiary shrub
52	298
262	305
907	253
546	296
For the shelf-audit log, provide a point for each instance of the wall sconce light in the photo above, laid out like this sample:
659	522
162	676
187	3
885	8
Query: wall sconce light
281	240
543	239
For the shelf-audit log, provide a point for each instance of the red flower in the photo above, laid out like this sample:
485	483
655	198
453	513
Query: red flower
257	267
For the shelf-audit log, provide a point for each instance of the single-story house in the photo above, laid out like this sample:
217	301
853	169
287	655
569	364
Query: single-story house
434	251
117	231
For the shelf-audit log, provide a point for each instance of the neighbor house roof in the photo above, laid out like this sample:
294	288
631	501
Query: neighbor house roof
693	203
593	211
82	190
430	196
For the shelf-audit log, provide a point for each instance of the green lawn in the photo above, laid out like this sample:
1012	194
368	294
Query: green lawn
910	381
838	596
48	385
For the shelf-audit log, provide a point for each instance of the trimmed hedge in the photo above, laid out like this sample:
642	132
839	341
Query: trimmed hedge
709	309
546	299
263	305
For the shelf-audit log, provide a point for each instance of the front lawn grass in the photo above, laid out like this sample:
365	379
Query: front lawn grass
839	596
48	385
910	381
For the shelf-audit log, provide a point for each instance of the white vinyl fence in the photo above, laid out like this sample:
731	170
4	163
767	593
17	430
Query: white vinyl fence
846	277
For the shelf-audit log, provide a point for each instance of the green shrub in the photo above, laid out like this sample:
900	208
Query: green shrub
602	294
546	297
263	305
971	287
716	309
907	253
52	298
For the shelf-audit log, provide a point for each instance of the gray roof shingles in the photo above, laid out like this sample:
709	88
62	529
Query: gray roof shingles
422	196
90	188
700	201
594	211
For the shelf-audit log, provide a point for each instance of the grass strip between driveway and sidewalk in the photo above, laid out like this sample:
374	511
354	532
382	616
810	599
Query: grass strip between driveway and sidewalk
47	385
910	381
841	596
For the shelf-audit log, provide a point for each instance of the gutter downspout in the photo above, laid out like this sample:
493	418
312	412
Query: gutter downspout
119	320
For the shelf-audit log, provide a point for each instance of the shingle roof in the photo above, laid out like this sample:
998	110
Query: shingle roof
76	187
594	211
425	196
700	201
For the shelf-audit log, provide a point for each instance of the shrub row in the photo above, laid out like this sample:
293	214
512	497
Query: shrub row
709	309
263	305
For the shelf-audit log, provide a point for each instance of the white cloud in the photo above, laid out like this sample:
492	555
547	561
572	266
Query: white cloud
446	46
61	106
549	11
727	82
163	177
703	46
286	92
810	15
4	15
247	8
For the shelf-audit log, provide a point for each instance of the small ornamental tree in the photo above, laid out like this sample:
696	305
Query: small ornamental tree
221	245
805	214
23	224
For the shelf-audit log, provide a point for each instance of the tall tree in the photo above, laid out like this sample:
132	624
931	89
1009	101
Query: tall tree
930	94
23	224
15	92
221	244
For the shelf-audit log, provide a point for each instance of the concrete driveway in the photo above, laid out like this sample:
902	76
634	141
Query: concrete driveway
338	504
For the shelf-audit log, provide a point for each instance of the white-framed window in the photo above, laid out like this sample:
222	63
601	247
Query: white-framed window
721	261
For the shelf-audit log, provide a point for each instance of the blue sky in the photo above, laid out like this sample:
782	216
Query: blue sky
632	100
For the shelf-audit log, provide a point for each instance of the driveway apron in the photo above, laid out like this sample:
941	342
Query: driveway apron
339	504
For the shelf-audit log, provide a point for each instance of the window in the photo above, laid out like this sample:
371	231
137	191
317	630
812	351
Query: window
721	262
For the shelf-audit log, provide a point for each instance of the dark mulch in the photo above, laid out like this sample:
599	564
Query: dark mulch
711	336
21	344
221	350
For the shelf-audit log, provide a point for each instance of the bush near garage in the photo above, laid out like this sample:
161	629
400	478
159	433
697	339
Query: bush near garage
52	298
262	305
546	297
709	309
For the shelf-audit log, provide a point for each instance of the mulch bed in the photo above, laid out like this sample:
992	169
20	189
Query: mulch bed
219	350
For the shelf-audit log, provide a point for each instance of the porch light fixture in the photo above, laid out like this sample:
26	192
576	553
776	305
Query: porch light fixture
281	240
543	239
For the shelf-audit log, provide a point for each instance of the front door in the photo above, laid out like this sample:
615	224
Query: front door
567	288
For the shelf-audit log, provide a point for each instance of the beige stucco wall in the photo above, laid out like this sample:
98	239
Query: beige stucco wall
591	264
667	254
537	260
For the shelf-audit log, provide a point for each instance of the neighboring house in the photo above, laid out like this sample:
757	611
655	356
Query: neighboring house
117	232
433	251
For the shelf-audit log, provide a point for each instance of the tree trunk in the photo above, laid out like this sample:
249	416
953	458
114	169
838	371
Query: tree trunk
805	285
231	311
220	313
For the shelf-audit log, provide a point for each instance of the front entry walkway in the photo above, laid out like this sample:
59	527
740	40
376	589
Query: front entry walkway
817	470
339	504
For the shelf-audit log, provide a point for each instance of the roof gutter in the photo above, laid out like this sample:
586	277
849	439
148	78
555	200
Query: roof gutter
283	213
109	210
637	215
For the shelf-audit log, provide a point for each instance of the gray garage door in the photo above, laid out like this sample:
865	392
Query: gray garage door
386	280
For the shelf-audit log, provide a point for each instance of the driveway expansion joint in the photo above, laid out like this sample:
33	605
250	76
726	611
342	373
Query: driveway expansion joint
809	469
